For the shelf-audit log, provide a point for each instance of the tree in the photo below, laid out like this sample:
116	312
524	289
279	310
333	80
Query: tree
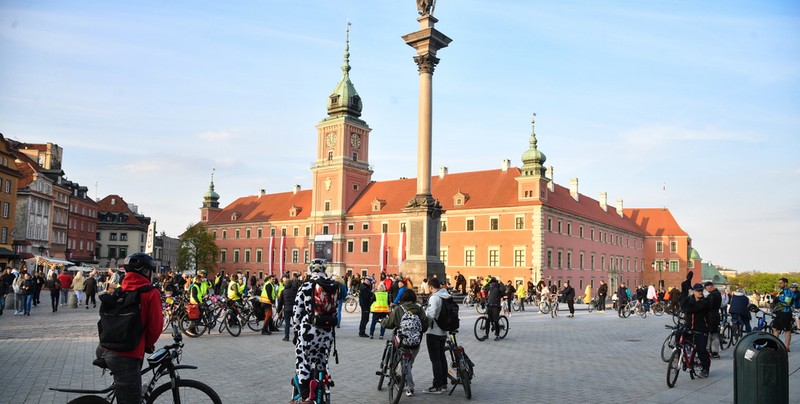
198	249
764	282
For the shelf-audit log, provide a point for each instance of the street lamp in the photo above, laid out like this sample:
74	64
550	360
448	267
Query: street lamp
660	270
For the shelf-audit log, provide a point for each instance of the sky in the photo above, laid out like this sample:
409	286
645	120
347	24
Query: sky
690	105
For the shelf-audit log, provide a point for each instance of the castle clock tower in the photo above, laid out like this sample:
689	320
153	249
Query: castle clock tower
341	171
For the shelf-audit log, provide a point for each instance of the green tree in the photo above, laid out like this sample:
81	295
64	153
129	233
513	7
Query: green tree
764	282
197	250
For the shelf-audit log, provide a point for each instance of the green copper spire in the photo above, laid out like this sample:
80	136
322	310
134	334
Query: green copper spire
211	198
345	100
533	160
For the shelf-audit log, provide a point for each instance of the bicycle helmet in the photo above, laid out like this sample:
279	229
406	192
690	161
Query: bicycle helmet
140	263
793	285
752	308
317	265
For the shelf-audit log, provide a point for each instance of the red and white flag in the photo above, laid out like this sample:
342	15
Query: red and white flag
270	253
401	249
282	253
383	251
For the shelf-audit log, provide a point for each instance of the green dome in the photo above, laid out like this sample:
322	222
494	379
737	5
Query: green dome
533	159
345	100
211	195
694	255
533	155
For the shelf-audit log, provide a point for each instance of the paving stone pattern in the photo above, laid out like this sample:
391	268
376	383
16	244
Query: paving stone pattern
593	357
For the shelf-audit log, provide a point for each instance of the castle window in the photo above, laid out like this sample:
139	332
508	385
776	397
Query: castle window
330	155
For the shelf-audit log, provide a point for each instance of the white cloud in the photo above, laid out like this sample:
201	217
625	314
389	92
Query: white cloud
218	136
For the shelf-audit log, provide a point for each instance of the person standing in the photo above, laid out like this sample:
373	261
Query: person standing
26	290
286	303
697	309
55	291
568	293
622	298
19	298
602	293
715	302
126	366
38	284
379	309
66	283
494	294
267	298
461	282
521	295
78	285
783	312
342	296
435	338
408	304
587	294
365	298
91	289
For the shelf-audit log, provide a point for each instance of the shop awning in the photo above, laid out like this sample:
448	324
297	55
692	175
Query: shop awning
5	252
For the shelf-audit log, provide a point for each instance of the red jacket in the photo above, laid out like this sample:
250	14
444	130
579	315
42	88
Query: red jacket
66	280
152	318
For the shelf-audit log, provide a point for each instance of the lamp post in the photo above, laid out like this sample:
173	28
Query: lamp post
660	270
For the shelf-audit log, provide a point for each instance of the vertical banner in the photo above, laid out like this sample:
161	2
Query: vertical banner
150	242
401	249
383	252
270	253
282	254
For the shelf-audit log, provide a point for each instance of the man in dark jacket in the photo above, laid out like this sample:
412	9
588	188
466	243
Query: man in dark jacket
715	301
286	304
568	294
739	309
602	292
697	308
494	293
622	298
365	298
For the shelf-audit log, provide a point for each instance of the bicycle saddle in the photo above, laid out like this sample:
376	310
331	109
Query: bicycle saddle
101	363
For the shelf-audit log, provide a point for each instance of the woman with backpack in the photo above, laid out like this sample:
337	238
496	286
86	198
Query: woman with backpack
408	330
55	290
379	309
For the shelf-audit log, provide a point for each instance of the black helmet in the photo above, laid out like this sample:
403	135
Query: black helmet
752	308
140	263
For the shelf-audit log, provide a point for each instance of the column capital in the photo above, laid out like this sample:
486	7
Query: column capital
426	63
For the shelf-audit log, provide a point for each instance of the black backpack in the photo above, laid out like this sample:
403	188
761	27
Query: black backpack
448	315
120	325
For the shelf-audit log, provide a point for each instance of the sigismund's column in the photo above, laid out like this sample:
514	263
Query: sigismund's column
424	211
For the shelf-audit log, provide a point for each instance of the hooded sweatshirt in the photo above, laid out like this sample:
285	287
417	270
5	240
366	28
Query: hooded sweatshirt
434	307
152	319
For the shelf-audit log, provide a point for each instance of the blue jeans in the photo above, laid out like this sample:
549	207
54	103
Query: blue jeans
339	313
376	317
2	302
28	303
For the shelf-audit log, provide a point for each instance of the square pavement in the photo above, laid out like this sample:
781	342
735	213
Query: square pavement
594	357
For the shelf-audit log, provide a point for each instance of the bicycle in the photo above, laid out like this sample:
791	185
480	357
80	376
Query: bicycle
319	387
684	357
670	342
395	356
731	332
469	300
659	308
461	371
763	325
633	306
351	303
483	326
162	363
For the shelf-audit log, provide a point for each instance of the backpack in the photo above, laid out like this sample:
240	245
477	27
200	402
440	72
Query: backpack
410	330
324	294
448	315
120	325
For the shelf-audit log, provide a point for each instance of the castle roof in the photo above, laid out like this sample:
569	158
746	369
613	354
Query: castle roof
656	221
267	207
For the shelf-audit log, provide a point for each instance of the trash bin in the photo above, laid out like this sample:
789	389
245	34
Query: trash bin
760	370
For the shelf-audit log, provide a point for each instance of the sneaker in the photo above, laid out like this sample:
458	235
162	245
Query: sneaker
371	337
703	374
363	335
433	390
410	393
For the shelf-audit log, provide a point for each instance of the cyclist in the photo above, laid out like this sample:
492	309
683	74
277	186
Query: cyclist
435	338
126	366
783	311
697	309
408	304
312	342
715	299
235	290
494	292
738	309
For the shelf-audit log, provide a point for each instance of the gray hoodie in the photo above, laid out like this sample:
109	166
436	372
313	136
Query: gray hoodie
434	307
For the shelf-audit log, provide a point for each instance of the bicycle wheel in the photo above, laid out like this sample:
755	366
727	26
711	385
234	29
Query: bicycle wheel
544	308
503	326
658	310
673	368
725	336
465	375
187	391
467	301
666	348
351	305
234	327
590	306
397	382
515	304
192	328
480	307
388	352
626	312
554	311
89	400
642	312
253	322
167	314
481	328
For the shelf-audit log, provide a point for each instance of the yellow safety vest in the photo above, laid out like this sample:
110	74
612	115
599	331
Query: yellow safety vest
237	295
199	293
267	297
381	303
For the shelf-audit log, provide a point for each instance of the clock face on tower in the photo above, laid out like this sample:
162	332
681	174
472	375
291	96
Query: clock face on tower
330	139
355	140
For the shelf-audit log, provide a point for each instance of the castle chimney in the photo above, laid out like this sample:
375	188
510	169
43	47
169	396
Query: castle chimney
619	208
604	201
442	172
573	188
505	165
550	184
261	192
296	189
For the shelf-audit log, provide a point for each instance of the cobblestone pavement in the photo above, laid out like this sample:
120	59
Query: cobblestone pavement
593	357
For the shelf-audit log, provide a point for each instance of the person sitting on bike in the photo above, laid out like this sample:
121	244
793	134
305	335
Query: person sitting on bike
312	341
126	366
697	310
408	304
738	308
234	290
494	293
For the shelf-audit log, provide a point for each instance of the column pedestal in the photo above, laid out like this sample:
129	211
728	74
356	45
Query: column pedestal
424	224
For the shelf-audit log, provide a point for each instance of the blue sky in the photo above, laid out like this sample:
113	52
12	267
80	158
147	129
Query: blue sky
146	97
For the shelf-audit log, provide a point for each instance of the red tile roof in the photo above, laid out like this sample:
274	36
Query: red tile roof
589	208
119	206
656	221
27	167
269	207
